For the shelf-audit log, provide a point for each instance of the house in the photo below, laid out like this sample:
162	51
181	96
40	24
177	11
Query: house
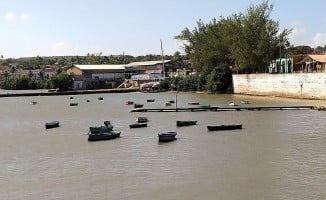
312	63
150	71
83	75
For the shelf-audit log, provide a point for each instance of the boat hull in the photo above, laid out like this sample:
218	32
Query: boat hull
224	127
186	123
138	125
103	136
167	137
53	124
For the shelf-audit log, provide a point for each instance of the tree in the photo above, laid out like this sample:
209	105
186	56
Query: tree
247	41
62	81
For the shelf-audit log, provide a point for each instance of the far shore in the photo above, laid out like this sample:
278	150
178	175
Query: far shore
44	92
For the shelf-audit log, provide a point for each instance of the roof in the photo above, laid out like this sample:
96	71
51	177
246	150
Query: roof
146	63
319	58
100	67
313	57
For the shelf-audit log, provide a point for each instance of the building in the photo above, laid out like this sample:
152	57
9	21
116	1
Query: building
312	63
281	65
83	75
150	71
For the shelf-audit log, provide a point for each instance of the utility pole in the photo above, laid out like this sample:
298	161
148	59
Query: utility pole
163	73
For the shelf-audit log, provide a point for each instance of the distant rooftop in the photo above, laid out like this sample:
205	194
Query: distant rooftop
99	67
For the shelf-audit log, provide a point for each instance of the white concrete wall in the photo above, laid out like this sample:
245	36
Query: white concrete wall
300	85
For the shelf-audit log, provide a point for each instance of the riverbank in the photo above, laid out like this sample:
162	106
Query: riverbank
18	93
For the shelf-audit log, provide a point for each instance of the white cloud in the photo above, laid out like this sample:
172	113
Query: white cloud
9	16
24	16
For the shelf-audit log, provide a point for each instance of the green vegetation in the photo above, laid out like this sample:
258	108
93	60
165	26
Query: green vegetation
243	43
247	42
61	81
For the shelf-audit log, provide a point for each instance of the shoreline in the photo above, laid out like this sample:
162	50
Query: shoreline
19	93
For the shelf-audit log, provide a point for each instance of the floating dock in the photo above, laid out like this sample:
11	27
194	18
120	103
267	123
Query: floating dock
217	109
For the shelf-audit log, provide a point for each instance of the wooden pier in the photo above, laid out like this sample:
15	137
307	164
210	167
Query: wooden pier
217	109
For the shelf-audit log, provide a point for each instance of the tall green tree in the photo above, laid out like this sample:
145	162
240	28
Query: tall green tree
246	41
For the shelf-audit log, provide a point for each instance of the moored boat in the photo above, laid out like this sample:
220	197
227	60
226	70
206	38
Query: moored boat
73	104
104	136
100	98
168	104
204	106
138	125
167	137
52	124
150	100
33	102
141	119
224	127
101	129
129	102
186	123
193	103
138	105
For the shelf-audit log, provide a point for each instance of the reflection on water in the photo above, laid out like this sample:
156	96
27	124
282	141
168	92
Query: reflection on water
277	154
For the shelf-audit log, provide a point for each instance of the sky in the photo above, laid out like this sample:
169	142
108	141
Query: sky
134	27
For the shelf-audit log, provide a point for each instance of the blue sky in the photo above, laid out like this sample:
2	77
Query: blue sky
134	27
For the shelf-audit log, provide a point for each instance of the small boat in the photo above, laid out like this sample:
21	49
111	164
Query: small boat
167	137
186	123
224	127
138	125
73	104
193	103
150	100
104	136
138	105
204	106
168	104
245	102
232	104
71	97
52	124
100	98
33	103
129	102
87	100
141	119
171	101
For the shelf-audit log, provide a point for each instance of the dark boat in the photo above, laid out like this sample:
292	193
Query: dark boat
150	100
129	102
141	119
186	123
73	104
167	137
104	136
87	100
224	127
168	104
171	101
138	105
138	125
52	124
194	103
100	98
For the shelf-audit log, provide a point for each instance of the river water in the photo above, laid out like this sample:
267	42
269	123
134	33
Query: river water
277	154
